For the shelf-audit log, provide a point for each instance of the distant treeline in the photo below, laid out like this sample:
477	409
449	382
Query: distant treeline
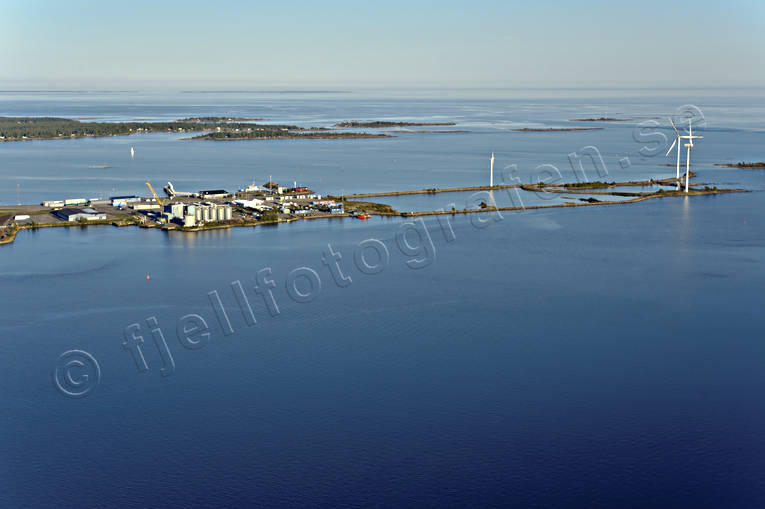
600	119
221	119
742	164
282	134
381	123
19	128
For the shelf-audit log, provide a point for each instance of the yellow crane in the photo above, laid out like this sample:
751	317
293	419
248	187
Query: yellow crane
148	184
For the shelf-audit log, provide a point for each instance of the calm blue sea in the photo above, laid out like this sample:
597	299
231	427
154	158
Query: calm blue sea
598	357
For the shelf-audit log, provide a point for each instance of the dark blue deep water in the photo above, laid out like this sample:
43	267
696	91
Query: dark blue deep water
594	357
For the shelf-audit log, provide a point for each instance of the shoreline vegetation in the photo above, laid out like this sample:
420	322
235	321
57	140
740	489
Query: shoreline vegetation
211	128
222	119
256	134
760	165
600	119
385	210
48	128
554	129
428	131
375	124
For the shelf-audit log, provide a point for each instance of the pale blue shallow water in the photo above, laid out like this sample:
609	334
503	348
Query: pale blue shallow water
596	357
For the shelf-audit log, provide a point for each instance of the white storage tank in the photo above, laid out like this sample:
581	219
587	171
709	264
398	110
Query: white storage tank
229	213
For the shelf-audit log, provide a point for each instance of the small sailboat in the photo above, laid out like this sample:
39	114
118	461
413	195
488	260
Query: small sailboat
132	153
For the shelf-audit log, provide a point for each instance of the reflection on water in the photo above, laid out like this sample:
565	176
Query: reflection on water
203	237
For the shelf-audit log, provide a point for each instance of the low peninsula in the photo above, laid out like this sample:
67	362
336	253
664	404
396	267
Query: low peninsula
428	131
745	166
222	119
279	134
375	124
600	119
253	206
554	129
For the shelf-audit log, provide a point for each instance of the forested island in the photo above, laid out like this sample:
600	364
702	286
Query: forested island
381	123
746	166
600	119
222	119
27	128
428	131
276	134
554	129
217	128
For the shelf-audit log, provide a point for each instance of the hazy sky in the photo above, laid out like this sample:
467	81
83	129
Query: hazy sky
336	45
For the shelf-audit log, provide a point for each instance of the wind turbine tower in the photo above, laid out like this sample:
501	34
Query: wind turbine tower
689	146
491	171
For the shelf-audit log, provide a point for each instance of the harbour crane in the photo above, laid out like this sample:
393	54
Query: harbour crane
148	184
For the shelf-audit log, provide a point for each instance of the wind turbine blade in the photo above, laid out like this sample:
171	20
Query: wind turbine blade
673	126
690	128
671	147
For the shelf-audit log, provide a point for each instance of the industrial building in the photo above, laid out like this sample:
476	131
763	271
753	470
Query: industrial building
122	201
192	214
72	214
214	193
252	204
330	206
145	206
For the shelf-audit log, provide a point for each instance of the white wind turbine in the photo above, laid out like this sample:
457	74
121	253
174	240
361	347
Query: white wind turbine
491	171
676	142
689	145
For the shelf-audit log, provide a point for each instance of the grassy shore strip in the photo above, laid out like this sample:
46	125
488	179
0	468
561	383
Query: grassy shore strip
426	191
575	185
571	204
597	184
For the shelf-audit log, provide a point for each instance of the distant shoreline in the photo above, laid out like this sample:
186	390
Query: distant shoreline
375	124
744	166
600	119
554	129
242	136
52	128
